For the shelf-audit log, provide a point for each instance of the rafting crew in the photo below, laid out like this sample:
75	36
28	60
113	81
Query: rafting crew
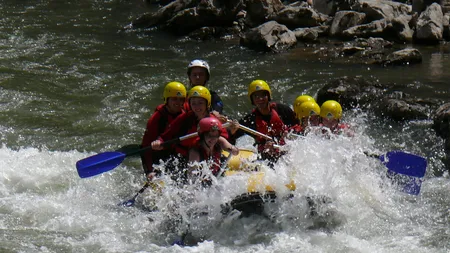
199	99
269	118
174	96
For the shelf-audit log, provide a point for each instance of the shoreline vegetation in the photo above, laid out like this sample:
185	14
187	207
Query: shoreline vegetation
379	32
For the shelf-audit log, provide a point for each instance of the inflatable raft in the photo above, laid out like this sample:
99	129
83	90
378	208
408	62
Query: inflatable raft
258	191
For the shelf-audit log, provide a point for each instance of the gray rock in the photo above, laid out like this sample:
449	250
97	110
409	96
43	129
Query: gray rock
269	36
344	20
430	24
407	56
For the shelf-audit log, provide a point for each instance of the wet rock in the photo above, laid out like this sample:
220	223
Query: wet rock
406	56
344	20
352	92
441	121
401	29
185	16
205	19
161	16
367	51
306	34
350	50
381	9
441	124
295	17
383	99
206	33
261	11
430	27
373	29
401	110
446	26
269	36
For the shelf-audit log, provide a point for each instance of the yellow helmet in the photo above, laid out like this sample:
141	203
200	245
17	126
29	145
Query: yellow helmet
174	89
331	110
200	91
258	85
307	109
303	98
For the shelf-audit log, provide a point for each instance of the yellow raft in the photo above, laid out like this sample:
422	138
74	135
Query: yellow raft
245	162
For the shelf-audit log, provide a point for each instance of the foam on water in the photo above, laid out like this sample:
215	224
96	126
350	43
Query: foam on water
46	207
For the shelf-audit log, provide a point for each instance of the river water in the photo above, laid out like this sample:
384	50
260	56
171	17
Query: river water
73	84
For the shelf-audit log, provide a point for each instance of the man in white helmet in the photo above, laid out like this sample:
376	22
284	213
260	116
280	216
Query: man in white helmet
198	73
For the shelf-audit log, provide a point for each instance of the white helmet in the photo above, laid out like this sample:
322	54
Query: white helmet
198	63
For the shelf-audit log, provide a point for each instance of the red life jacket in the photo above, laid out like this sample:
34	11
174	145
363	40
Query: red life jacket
341	128
166	117
274	128
214	158
191	127
297	129
186	105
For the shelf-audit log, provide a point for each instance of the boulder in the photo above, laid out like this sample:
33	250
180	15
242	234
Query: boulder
430	28
441	121
269	37
344	20
407	56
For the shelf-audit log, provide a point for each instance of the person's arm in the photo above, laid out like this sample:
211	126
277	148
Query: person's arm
248	121
151	133
225	145
171	132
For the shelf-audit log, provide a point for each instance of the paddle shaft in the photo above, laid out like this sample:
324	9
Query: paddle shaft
131	201
254	132
224	165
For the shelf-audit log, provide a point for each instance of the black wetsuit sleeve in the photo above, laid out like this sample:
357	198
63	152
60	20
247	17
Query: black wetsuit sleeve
216	102
248	121
287	115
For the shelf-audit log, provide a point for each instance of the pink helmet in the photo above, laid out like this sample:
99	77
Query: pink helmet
208	124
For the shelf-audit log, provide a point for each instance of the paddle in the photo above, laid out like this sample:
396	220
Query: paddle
405	169
107	161
254	132
131	201
224	165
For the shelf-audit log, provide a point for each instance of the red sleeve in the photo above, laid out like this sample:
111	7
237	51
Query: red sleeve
151	133
174	128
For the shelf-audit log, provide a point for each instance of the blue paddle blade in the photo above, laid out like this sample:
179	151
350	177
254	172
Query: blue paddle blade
99	163
407	184
406	170
405	163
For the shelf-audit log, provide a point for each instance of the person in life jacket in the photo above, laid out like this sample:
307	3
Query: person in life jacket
308	113
198	72
200	103
270	118
209	146
174	96
331	114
